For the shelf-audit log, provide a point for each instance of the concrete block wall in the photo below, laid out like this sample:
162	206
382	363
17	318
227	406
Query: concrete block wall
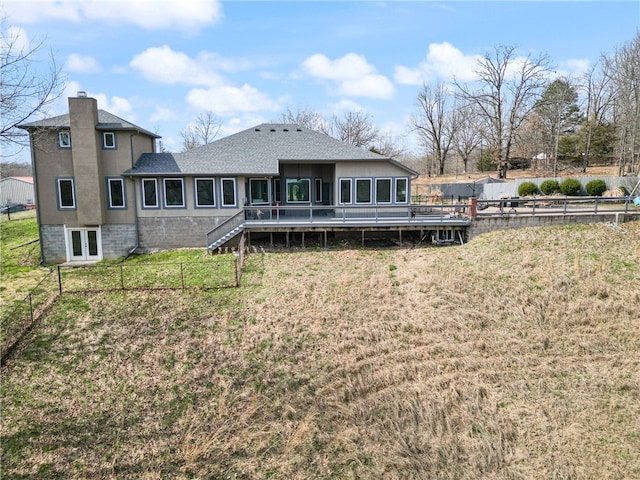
52	243
175	232
481	225
118	240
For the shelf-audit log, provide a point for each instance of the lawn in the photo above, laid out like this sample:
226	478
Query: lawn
514	356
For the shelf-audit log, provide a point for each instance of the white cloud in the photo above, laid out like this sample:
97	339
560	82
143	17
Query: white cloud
345	105
574	67
147	14
162	114
82	64
443	61
116	105
372	86
165	65
17	39
226	99
354	76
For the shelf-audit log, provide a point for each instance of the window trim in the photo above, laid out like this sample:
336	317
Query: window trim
298	180
144	197
235	192
350	181
395	190
182	191
67	133
59	180
368	202
390	180
104	141
110	204
276	194
195	192
259	179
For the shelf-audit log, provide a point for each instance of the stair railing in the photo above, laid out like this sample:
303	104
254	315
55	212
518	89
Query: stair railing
224	228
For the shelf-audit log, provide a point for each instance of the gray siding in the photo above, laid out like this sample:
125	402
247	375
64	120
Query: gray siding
52	243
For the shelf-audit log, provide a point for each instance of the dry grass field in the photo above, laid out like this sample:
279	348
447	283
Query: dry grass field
516	356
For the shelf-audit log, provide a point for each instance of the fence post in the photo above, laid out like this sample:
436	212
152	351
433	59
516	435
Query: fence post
121	278
31	307
59	281
182	275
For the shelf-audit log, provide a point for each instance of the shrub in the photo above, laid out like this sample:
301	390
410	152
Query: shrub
526	189
595	188
570	186
549	187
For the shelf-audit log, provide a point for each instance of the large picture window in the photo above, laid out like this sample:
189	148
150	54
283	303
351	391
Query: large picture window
259	191
228	192
401	190
363	190
149	193
115	190
345	190
66	194
205	192
173	192
383	190
298	190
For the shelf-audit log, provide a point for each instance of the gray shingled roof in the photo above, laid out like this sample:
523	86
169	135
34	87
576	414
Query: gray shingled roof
256	151
106	121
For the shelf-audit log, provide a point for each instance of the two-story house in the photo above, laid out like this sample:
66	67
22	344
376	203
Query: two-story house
103	190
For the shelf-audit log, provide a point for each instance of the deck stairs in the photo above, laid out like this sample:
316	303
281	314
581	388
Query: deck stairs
225	232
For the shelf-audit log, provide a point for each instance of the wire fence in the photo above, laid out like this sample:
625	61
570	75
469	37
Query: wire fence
217	272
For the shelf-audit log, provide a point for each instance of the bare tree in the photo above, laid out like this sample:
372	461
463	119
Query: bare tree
437	123
507	89
307	118
623	68
468	137
204	131
25	90
355	128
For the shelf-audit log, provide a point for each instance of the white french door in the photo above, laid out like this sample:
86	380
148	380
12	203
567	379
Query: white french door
84	244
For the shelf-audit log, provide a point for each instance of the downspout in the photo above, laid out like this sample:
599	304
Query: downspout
135	197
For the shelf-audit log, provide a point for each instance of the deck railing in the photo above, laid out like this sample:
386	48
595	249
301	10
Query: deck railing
556	205
313	214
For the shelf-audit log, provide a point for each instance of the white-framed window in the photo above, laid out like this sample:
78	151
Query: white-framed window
363	190
318	190
115	192
298	190
205	192
401	190
259	191
228	192
345	190
66	193
150	193
383	190
108	140
64	139
173	192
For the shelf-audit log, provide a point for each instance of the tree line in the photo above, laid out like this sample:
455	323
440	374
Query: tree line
516	113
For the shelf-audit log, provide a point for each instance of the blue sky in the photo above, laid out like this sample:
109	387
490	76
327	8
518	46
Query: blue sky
160	63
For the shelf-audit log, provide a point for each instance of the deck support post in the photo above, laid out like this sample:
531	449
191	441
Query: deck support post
271	238
400	236
287	239
362	238
302	239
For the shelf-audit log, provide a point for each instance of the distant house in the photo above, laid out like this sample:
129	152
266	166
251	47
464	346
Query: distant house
17	190
103	190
